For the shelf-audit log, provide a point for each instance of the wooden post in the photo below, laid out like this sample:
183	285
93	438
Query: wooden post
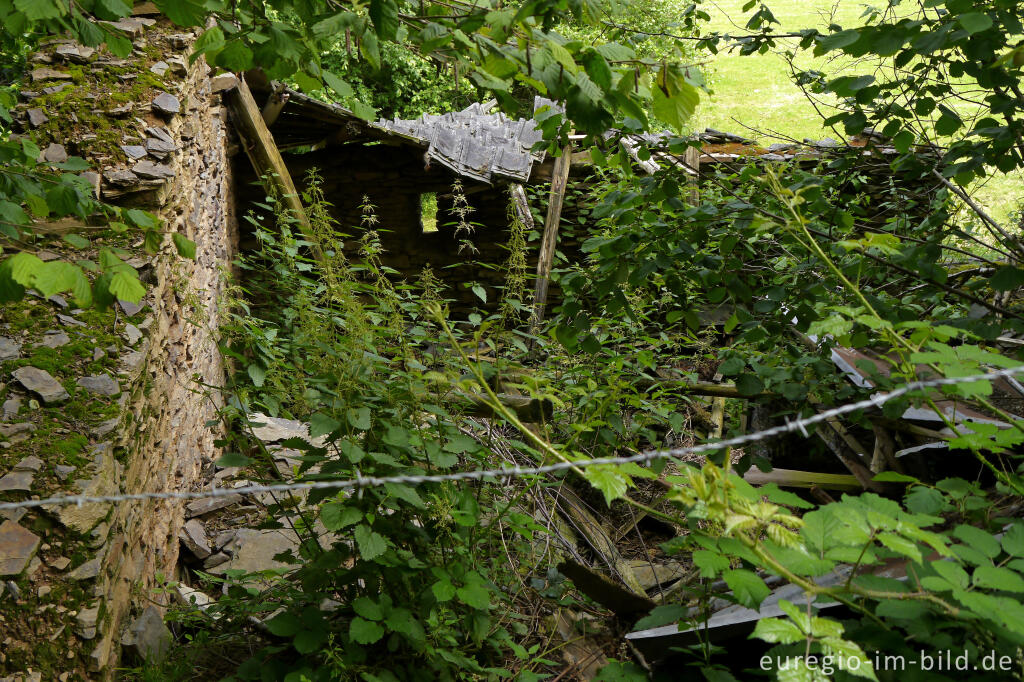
692	161
263	153
522	207
559	178
275	104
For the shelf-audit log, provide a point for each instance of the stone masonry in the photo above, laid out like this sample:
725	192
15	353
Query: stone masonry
117	400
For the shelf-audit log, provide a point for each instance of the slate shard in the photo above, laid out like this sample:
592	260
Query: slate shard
99	384
17	547
166	103
148	637
41	383
153	171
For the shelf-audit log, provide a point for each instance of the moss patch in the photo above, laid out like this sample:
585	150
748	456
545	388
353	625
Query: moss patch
78	113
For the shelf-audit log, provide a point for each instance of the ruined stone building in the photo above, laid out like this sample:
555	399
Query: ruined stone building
124	400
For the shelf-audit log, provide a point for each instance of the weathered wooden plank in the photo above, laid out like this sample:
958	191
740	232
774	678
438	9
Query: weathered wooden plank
692	161
527	409
522	207
263	152
792	478
706	388
838	446
587	527
547	248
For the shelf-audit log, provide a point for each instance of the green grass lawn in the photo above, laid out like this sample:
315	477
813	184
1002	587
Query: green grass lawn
755	91
754	96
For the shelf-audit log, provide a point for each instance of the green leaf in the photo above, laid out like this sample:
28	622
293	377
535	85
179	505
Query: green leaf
320	424
443	590
384	14
24	267
119	45
749	384
112	10
947	124
37	205
731	366
284	625
186	247
234	459
900	545
363	111
38	10
627	671
901	609
784	497
258	374
975	22
998	578
748	589
662	615
710	563
837	41
337	84
438	457
903	141
55	277
676	109
10	290
127	287
847	651
894	477
152	241
461	443
820	527
365	632
359	418
474	594
1013	539
333	25
609	479
951	572
101	292
922	500
778	631
336	516
211	40
1007	278
406	493
183	12
308	641
77	241
235	56
980	540
81	288
367	608
140	218
400	620
371	544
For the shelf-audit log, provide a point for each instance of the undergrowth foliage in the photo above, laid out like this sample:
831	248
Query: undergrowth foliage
398	582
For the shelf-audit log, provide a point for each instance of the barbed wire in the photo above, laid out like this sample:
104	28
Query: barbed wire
360	482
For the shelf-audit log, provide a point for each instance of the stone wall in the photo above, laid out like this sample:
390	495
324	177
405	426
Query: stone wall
127	410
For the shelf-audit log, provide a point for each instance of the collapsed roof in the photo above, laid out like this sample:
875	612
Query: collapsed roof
475	143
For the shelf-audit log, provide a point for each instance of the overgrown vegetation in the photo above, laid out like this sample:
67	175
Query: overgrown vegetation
757	281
